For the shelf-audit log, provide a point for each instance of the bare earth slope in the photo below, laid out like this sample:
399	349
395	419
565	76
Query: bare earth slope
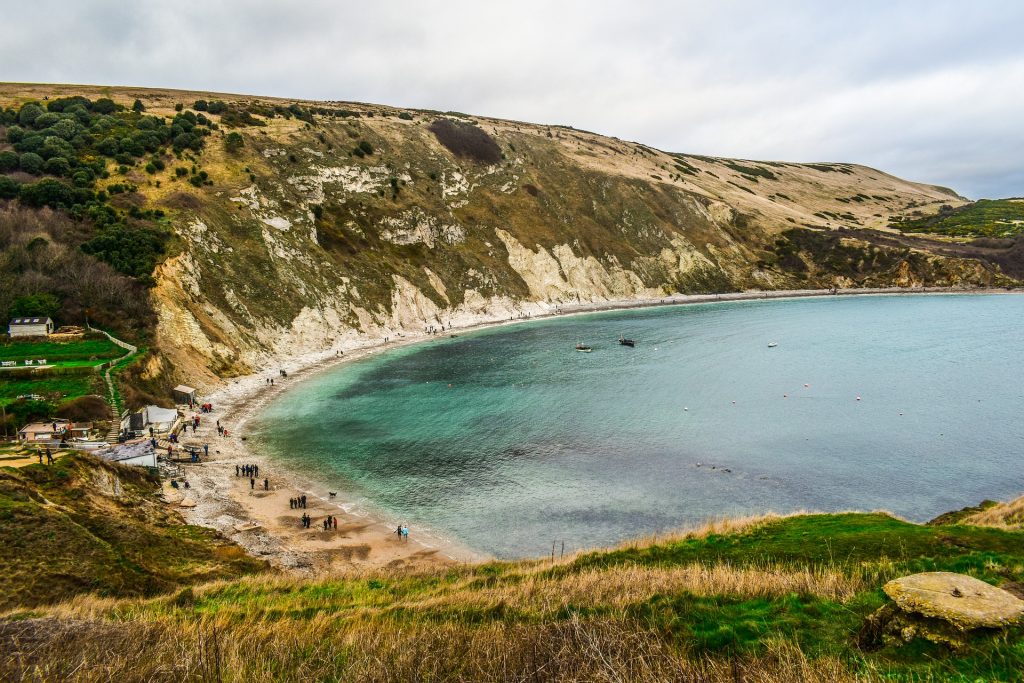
301	241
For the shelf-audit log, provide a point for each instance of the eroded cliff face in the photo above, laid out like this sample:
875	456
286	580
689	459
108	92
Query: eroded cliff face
303	244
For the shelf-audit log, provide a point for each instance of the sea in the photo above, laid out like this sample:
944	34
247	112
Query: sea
510	442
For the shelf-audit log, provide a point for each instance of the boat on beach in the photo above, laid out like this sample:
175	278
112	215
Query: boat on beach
626	342
583	347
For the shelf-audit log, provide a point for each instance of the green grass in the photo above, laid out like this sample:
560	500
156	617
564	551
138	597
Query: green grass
83	351
983	218
60	388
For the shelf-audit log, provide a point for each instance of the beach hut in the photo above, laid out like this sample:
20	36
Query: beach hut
30	327
184	395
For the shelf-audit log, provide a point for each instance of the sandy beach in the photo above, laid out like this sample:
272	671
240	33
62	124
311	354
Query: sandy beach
263	523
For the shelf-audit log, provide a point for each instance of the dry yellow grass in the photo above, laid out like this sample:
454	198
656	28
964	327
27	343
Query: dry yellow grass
1002	516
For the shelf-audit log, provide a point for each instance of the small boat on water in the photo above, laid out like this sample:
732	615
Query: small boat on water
583	347
772	345
626	342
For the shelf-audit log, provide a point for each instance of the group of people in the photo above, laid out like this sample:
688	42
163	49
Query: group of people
49	456
252	484
203	408
297	503
330	522
247	470
306	520
223	431
403	532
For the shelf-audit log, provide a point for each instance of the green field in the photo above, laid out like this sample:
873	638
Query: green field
983	218
83	351
57	389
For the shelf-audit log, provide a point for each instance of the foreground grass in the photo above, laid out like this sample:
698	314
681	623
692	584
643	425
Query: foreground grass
90	348
759	600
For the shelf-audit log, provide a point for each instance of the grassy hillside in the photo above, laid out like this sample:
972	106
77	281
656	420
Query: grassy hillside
264	227
84	525
761	599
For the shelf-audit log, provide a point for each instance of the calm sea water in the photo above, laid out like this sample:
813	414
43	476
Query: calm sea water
534	442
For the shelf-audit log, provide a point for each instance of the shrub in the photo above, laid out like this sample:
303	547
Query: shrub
104	105
405	116
233	142
366	147
8	161
29	113
30	162
47	192
201	105
84	408
8	188
181	171
138	107
58	166
466	141
178	106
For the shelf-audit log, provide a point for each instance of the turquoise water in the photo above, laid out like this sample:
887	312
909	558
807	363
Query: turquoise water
535	443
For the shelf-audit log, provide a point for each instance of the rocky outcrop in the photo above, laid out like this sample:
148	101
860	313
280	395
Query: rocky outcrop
941	607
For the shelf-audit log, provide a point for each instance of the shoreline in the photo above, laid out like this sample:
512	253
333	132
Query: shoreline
363	539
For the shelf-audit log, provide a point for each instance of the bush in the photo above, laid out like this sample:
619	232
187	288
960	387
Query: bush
138	107
178	106
466	141
8	188
47	192
201	105
181	171
131	251
29	113
30	162
58	166
104	105
8	161
233	142
405	116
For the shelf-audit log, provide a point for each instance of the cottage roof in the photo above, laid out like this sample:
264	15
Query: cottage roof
30	321
184	389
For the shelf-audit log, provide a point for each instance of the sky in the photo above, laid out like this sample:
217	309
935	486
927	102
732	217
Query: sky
931	91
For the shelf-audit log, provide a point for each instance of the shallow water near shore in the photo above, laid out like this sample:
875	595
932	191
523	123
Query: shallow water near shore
535	443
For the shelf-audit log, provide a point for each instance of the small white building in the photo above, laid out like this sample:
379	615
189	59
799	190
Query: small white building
160	420
44	432
30	327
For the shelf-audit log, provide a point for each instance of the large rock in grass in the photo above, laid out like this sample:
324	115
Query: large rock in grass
941	607
963	601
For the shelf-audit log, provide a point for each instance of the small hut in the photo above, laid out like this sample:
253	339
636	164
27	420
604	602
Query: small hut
30	327
184	395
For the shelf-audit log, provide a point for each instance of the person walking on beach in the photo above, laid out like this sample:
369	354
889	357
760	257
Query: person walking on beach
266	484
252	484
304	501
405	532
40	457
206	450
335	520
236	470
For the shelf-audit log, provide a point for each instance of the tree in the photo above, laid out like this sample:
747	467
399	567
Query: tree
138	107
104	105
233	142
178	106
201	105
41	304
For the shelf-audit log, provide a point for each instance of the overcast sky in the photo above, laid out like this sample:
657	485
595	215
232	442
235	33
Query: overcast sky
930	90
